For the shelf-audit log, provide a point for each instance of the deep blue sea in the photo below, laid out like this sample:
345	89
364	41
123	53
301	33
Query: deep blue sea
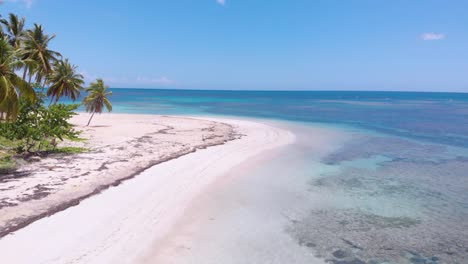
396	192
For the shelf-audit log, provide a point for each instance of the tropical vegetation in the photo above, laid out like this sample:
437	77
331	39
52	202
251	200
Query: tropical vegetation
14	28
64	81
11	85
97	99
37	127
33	79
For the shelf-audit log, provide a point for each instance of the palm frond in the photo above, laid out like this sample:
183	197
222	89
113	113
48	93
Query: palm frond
97	98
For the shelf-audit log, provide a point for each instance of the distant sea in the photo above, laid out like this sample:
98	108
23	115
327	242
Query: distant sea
397	192
434	117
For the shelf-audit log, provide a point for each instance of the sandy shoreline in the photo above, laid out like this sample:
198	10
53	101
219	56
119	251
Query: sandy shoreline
120	222
121	146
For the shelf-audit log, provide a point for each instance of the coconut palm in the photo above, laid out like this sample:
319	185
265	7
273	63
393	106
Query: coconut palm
11	85
14	29
36	49
2	34
97	98
64	81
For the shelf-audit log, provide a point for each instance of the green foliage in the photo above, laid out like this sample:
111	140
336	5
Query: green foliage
36	47
7	144
27	126
11	85
38	128
27	51
7	164
76	139
69	150
97	98
64	81
14	29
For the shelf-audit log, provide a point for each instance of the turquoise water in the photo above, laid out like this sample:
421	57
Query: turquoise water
435	117
396	191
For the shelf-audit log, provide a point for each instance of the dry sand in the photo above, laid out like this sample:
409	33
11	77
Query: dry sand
120	146
120	224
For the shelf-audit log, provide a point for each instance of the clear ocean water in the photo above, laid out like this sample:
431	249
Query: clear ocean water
434	117
396	190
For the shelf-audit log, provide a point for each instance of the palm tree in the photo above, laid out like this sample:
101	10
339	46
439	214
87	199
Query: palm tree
2	34
97	98
11	85
36	48
14	28
64	81
14	31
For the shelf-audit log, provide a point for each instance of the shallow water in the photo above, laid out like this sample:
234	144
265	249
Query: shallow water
345	197
388	182
409	206
243	217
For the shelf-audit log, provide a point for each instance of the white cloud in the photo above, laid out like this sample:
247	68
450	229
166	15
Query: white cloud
123	80
160	80
28	3
88	77
432	36
221	2
110	79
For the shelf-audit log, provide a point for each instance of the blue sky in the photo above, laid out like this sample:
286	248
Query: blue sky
260	44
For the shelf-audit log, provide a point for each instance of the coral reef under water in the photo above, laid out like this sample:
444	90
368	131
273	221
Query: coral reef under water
410	208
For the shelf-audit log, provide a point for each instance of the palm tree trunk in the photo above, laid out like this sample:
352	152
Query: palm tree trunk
90	118
24	73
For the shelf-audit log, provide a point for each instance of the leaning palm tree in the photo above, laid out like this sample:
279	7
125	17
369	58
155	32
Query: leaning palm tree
97	98
36	48
14	28
64	81
11	85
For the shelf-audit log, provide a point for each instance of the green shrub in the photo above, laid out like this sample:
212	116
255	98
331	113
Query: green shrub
38	127
7	164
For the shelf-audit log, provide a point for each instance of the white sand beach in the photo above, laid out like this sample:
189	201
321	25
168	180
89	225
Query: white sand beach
120	147
121	223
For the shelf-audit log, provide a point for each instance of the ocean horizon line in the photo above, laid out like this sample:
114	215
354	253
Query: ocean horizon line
298	90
